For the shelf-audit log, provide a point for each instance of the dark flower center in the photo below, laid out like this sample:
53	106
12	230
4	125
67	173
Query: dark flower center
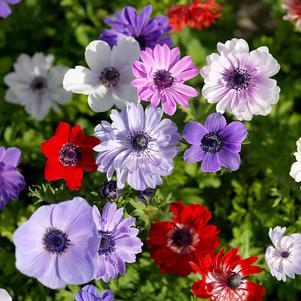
182	237
140	141
212	143
70	155
109	77
142	41
38	84
55	241
163	79
107	243
285	254
110	190
234	281
238	79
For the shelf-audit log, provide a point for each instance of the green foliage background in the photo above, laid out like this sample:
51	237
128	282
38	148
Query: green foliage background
244	203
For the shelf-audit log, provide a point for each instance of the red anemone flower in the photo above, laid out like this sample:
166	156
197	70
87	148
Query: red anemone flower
223	278
69	153
174	244
198	14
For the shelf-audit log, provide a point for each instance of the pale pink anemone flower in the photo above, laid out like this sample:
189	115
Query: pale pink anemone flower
293	8
239	80
161	76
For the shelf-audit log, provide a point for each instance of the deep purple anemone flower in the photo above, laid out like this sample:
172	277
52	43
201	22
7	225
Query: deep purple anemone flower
161	76
216	144
11	181
58	244
90	293
5	10
148	32
118	242
138	145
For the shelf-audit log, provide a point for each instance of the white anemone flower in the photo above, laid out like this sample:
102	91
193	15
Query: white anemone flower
296	167
4	296
107	80
36	85
239	80
284	258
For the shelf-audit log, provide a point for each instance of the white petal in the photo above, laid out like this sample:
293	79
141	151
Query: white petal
100	102
124	94
295	171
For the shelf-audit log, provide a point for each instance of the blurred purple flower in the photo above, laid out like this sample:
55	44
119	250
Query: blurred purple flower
161	76
145	194
284	258
216	144
58	244
118	242
110	190
90	293
148	32
138	145
5	10
11	181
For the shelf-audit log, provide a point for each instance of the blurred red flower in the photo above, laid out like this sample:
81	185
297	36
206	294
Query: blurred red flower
174	244
293	8
69	153
198	14
223	278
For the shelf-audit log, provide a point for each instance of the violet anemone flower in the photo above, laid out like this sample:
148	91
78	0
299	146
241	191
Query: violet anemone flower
138	145
118	242
58	244
216	144
161	76
11	181
147	31
90	293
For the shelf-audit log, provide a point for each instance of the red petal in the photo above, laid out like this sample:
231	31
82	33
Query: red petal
87	160
73	177
199	289
54	170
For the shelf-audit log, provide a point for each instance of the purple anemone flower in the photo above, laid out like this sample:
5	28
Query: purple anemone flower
239	81
11	181
284	257
138	145
110	190
90	293
118	242
161	76
58	244
148	32
5	9
216	144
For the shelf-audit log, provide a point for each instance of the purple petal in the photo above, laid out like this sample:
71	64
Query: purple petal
229	160
12	156
194	132
211	163
215	122
194	154
234	132
5	10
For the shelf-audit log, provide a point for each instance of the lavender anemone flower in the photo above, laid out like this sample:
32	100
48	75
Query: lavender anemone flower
58	244
239	81
138	145
118	242
90	293
161	76
215	143
5	9
4	295
284	258
11	181
148	32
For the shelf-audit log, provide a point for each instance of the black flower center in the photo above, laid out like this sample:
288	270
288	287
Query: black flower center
163	79
238	79
107	243
182	237
70	155
55	241
234	281
285	254
212	143
140	141
109	77
110	190
38	84
142	42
